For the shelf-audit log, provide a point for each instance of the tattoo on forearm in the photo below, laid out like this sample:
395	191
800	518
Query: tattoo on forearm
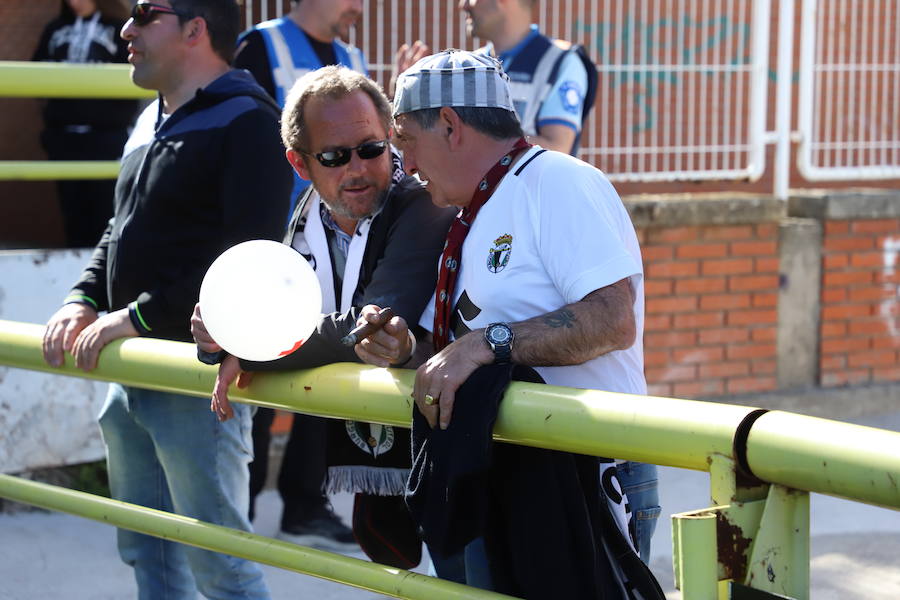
560	318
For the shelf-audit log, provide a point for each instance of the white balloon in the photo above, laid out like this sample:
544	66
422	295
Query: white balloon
260	300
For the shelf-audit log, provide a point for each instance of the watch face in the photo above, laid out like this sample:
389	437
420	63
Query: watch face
500	335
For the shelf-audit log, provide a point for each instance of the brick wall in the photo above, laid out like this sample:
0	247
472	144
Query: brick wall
711	315
860	325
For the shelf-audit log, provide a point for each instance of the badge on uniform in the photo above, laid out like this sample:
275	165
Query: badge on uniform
498	256
570	95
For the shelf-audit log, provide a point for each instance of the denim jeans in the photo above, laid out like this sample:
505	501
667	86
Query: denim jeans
641	485
169	452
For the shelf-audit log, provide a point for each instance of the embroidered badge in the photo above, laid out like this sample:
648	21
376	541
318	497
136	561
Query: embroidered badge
376	441
498	256
570	95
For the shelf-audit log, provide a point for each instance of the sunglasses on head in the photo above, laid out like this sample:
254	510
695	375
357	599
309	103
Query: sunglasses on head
145	13
341	156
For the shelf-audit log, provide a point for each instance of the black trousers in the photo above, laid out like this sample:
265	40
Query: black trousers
303	469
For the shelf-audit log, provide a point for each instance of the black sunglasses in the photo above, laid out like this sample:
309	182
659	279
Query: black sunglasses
341	156
144	13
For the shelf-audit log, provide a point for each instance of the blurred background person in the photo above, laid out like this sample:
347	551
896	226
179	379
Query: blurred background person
86	31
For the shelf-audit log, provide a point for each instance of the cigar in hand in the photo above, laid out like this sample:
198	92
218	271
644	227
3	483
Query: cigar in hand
366	329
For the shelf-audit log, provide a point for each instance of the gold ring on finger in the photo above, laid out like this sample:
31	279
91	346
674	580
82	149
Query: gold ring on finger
429	400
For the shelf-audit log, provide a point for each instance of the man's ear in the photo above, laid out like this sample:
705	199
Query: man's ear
450	127
299	164
195	30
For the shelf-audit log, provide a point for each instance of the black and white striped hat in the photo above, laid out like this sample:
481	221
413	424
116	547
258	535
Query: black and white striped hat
453	78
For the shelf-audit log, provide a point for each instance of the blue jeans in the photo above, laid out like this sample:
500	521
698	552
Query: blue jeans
640	483
169	452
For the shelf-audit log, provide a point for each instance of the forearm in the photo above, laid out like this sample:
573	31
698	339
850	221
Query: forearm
600	323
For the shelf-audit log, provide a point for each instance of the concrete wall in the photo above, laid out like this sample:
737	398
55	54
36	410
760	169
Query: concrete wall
45	420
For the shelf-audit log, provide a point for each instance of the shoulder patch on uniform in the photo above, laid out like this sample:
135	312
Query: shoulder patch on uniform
570	95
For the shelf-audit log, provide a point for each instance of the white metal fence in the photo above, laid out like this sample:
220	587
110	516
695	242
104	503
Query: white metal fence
684	88
849	102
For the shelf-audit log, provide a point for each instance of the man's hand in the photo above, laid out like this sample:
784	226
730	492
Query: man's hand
62	329
406	57
229	370
438	379
201	335
98	334
391	344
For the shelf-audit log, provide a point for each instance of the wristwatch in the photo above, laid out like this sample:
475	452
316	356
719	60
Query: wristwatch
499	336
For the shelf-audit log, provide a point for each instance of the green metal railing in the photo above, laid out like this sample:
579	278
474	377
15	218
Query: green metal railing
64	80
756	533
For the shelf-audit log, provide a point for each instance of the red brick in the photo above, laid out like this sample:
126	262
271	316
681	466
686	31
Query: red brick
659	389
876	226
833	329
867	260
886	374
750	351
843	312
725	369
751	317
699	389
766	265
672	339
672	304
708	250
889	341
683	268
658	287
724	301
834	295
837	227
723	335
657	322
872	294
762	248
764	230
845	278
657	358
690	356
657	253
751	384
672	234
764	367
700	285
843	345
727	266
671	373
837	260
876	358
699	320
745	283
764	334
848	244
888	277
765	300
729	234
833	363
845	377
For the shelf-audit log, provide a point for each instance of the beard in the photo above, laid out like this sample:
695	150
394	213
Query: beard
356	211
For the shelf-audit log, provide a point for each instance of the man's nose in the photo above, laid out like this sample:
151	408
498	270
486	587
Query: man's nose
128	30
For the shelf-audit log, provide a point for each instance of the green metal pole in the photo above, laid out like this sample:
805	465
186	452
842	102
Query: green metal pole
334	567
663	431
694	556
20	79
49	170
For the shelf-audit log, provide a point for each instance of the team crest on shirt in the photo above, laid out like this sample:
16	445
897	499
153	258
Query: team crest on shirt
377	440
498	256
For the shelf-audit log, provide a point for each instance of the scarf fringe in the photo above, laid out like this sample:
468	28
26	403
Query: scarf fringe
355	479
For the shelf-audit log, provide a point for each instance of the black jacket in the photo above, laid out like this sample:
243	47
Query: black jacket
210	176
399	269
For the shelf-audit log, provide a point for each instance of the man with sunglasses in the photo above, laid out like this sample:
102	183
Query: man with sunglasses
202	171
372	236
277	53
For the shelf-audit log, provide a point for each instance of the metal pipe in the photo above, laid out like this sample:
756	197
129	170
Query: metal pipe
47	170
391	581
782	173
22	79
665	431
